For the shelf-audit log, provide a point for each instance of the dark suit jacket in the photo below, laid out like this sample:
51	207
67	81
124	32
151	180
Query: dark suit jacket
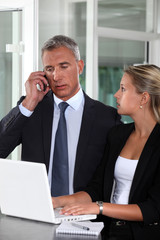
35	135
145	189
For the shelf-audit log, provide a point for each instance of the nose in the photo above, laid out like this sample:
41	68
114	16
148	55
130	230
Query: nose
56	74
116	94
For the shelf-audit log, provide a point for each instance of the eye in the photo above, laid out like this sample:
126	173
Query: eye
64	66
122	89
49	69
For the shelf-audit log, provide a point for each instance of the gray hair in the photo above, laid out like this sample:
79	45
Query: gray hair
61	41
146	78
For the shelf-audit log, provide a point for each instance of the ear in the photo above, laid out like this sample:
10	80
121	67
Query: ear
145	98
80	66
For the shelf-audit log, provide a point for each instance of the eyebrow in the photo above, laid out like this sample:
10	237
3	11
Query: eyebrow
63	63
48	66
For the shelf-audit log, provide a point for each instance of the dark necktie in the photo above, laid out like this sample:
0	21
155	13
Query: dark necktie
60	169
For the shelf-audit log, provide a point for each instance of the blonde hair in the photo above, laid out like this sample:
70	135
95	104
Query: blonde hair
146	78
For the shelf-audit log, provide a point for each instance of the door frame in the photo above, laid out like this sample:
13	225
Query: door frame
29	56
29	34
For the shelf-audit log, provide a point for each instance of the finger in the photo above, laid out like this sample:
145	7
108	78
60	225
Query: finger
38	73
72	211
37	76
68	208
39	81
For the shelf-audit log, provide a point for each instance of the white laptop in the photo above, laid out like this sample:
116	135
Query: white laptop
25	193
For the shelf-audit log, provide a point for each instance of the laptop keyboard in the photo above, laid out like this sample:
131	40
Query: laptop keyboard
57	214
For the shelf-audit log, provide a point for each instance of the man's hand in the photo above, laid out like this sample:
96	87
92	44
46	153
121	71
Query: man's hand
33	94
79	197
59	201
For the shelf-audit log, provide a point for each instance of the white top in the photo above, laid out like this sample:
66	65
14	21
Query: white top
123	175
73	115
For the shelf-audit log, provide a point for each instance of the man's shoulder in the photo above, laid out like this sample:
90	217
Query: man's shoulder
99	105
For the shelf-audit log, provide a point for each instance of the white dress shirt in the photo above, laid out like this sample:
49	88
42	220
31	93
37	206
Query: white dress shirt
73	115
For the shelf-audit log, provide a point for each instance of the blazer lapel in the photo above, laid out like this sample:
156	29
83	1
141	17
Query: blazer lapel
47	121
144	159
85	130
119	143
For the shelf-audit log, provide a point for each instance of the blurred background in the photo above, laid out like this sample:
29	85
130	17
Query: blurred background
111	34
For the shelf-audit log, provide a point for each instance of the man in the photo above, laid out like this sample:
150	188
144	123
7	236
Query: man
34	121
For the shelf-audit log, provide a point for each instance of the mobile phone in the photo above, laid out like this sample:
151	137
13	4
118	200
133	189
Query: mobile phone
44	85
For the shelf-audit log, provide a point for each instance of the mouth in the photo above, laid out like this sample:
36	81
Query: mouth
60	87
118	105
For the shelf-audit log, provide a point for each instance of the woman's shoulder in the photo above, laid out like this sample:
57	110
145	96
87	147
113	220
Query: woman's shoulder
121	129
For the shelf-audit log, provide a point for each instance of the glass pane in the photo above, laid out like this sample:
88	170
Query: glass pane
10	63
5	63
131	14
66	18
78	31
114	55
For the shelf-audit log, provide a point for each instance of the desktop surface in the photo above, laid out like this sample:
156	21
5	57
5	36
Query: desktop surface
12	228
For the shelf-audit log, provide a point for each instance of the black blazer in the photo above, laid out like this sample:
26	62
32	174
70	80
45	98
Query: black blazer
145	188
34	133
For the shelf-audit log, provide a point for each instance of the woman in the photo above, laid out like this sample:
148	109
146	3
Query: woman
128	179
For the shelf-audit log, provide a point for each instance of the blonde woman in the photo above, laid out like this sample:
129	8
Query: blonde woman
127	183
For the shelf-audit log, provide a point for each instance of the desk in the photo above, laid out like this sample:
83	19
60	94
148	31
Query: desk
12	228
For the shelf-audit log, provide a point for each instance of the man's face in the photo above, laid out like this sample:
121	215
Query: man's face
62	71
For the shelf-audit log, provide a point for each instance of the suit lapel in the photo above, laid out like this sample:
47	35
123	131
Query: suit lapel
85	130
47	120
144	159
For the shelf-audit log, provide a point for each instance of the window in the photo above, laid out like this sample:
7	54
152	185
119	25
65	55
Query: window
18	50
111	34
131	14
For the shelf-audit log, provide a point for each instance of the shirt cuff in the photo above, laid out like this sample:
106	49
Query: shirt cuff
25	111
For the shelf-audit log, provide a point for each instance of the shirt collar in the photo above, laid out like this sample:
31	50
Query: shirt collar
73	102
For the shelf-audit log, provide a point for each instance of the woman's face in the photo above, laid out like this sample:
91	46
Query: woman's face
128	100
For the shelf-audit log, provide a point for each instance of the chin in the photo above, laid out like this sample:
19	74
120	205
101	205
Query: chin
121	112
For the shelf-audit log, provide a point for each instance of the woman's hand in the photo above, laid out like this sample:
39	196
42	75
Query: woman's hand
80	209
